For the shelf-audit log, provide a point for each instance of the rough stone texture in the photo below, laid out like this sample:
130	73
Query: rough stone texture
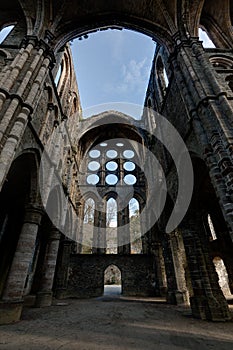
86	274
197	100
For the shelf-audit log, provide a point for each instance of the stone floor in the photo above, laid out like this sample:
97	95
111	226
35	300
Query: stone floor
114	323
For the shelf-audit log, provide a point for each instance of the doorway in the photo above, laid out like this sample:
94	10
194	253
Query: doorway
112	280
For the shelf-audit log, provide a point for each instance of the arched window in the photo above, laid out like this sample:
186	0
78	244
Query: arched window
88	226
135	227
222	276
165	77
111	166
58	75
211	227
162	77
203	36
111	226
5	32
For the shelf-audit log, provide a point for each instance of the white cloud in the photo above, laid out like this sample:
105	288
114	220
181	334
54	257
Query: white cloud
134	76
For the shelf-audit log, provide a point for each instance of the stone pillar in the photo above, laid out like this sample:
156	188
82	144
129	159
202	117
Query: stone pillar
12	300
178	254
161	281
174	296
78	237
210	117
207	301
20	104
63	268
45	294
146	237
123	231
99	234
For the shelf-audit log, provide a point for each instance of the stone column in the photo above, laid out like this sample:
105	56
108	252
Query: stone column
99	234
123	231
209	110
12	300
45	294
207	301
20	104
161	281
63	268
78	237
178	254
173	295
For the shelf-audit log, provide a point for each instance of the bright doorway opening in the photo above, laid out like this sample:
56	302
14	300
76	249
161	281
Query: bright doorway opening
112	281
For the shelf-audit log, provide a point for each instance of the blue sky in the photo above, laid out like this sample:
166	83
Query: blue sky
113	68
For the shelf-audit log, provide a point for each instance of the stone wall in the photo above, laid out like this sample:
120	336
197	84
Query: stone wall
86	275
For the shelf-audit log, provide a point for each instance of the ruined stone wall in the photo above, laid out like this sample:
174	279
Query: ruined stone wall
86	274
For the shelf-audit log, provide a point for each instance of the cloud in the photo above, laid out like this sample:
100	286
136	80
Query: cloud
133	77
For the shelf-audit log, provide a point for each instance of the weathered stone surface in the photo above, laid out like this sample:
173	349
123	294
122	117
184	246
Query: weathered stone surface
190	86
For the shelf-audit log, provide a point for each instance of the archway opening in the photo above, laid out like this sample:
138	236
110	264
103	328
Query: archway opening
223	279
5	32
14	198
88	226
204	37
112	280
111	226
118	73
135	227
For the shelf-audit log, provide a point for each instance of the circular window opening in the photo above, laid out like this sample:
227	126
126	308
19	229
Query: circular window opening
128	154
111	153
95	153
103	144
93	179
111	166
129	166
120	144
130	179
111	179
93	166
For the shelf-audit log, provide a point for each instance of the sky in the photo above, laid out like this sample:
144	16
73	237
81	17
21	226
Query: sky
113	69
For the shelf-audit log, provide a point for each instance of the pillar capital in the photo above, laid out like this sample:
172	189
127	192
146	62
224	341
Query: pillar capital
33	215
55	234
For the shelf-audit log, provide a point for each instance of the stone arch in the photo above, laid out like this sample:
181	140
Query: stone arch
5	54
221	62
112	278
93	126
20	193
68	226
217	23
28	13
66	76
115	20
54	206
109	280
62	75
